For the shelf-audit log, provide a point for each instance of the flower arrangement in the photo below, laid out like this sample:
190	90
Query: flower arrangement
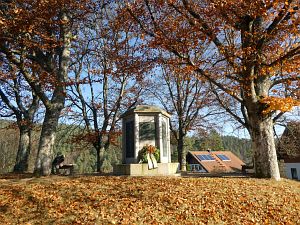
142	155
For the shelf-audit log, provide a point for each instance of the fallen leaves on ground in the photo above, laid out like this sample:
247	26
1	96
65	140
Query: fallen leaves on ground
149	200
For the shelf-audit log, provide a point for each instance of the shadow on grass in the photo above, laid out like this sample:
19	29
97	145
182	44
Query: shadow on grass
16	176
216	175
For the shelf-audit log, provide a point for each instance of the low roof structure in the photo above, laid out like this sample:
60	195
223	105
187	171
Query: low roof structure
216	161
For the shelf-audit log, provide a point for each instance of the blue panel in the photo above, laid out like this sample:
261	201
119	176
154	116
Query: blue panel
223	157
201	157
205	157
210	157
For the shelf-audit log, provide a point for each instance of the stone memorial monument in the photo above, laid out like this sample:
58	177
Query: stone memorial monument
144	126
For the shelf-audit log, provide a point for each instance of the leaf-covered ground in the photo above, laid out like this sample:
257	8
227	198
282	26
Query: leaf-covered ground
148	200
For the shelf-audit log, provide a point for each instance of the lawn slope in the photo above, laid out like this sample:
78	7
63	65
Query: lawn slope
152	200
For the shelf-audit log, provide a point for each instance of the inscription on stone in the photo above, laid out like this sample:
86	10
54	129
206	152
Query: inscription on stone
129	129
164	139
147	131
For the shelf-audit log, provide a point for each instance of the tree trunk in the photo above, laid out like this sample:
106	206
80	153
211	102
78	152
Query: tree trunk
181	154
265	158
24	149
43	162
100	158
56	105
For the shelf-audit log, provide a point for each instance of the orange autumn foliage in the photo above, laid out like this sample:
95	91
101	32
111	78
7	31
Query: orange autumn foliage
253	42
277	103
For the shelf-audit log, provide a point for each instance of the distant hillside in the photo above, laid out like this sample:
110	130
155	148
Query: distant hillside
214	141
5	123
8	146
240	146
82	154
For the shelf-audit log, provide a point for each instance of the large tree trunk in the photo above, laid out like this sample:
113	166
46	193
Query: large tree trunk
181	153
24	149
256	85
265	158
56	105
43	162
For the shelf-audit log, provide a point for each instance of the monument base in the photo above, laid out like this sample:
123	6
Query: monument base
141	169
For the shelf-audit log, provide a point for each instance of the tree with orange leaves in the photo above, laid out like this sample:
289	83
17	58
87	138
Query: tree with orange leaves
187	98
253	58
107	78
36	37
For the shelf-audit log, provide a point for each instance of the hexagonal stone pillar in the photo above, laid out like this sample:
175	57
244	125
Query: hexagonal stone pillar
145	125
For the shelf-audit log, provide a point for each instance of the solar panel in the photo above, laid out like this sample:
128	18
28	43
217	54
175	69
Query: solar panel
223	157
209	157
201	157
205	157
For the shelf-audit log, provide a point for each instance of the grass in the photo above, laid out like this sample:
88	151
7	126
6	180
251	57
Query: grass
148	200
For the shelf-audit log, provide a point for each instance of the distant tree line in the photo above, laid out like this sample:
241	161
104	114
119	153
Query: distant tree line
216	142
83	155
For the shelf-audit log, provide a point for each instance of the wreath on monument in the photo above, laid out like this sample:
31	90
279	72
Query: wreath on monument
142	155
